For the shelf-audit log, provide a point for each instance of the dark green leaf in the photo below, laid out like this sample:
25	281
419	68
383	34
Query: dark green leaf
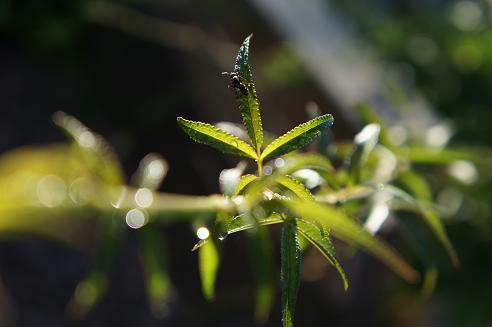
290	271
246	96
319	237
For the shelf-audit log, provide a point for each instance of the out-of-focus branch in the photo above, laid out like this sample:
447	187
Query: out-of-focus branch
169	34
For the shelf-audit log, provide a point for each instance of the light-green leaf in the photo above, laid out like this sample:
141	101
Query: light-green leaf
208	256
295	187
217	138
297	137
350	231
246	96
290	270
319	238
244	181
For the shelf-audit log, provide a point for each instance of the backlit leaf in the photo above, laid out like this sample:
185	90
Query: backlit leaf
297	137
208	258
217	138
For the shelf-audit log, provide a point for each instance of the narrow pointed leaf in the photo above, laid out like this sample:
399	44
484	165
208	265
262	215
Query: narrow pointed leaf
217	138
352	232
296	187
239	224
245	180
246	96
322	242
421	189
290	271
208	256
297	137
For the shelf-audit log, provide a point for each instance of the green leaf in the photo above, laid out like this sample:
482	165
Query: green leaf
239	224
245	180
291	164
246	96
152	251
208	256
320	239
290	271
295	187
262	262
217	138
421	189
350	231
297	137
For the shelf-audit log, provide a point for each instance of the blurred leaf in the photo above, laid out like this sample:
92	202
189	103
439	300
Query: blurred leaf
214	137
297	137
246	96
365	141
290	271
152	254
313	233
208	256
98	154
261	247
348	230
428	155
419	186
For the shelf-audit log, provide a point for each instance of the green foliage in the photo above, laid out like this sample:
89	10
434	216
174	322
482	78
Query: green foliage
215	137
297	137
246	96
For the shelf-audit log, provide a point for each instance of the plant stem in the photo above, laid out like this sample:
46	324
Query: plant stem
260	167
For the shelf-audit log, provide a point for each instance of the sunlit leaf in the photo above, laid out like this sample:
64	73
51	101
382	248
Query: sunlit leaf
290	271
296	187
245	180
239	224
352	232
297	137
210	135
208	258
314	234
246	96
291	164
